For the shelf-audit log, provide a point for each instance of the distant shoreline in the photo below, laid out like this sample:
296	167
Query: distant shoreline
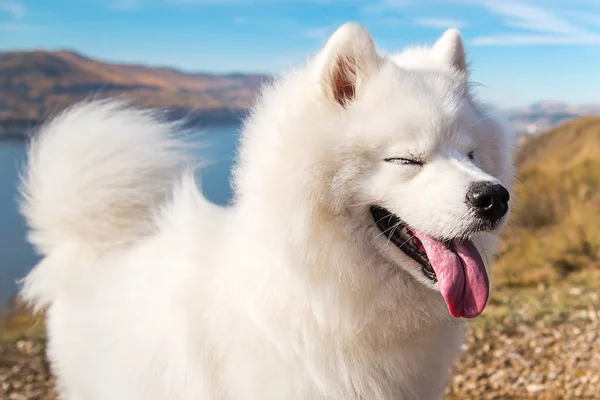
16	135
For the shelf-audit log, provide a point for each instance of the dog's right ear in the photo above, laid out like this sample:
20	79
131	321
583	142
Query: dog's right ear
347	61
449	48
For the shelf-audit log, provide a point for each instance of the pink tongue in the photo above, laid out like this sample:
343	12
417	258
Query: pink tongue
460	273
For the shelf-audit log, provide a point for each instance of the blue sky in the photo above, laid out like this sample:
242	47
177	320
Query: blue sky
521	51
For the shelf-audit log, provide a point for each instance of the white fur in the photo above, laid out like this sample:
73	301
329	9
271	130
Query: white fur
291	293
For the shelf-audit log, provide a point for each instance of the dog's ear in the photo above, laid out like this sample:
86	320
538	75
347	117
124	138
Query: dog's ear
449	48
347	61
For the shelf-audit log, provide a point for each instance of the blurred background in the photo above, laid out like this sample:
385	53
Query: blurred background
537	61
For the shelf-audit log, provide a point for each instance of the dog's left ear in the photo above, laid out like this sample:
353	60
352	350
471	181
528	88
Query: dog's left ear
347	61
449	48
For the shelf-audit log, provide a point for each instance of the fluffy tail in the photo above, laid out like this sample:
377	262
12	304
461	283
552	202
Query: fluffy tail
96	176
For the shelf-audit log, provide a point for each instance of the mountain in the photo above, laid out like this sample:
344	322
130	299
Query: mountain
543	116
36	84
555	226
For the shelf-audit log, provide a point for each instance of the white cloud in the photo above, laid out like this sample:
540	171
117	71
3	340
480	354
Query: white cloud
529	17
384	6
388	21
528	40
15	9
18	27
593	19
289	59
18	12
245	2
318	32
525	22
397	3
442	23
550	26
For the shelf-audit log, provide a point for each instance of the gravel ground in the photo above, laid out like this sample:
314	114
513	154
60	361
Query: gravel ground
544	359
24	372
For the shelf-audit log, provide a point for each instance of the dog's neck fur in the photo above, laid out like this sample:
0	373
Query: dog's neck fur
368	311
342	281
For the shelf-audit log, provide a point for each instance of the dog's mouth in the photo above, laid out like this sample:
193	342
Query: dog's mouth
455	265
404	238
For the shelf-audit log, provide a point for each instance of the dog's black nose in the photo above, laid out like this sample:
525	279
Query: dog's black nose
489	200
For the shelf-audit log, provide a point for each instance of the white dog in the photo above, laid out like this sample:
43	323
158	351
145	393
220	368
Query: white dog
369	192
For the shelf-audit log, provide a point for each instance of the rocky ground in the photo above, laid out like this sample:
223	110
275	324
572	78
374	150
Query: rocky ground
530	343
24	372
543	360
519	360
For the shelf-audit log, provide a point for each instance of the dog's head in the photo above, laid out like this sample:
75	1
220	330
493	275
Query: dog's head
398	152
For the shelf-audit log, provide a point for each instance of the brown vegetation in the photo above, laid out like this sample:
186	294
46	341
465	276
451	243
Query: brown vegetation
555	230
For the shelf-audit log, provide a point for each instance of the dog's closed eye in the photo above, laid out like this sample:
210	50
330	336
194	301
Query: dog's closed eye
405	161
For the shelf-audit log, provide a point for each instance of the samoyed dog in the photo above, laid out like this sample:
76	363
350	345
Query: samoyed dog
369	191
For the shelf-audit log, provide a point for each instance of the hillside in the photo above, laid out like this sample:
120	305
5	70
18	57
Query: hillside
555	230
36	84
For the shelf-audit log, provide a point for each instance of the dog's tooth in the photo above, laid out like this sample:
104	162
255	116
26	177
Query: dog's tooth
415	242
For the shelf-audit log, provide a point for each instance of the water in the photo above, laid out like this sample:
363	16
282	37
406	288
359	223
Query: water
17	257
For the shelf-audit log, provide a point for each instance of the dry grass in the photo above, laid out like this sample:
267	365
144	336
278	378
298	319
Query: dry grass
21	323
555	230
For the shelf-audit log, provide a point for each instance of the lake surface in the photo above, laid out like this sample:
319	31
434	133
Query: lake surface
17	257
